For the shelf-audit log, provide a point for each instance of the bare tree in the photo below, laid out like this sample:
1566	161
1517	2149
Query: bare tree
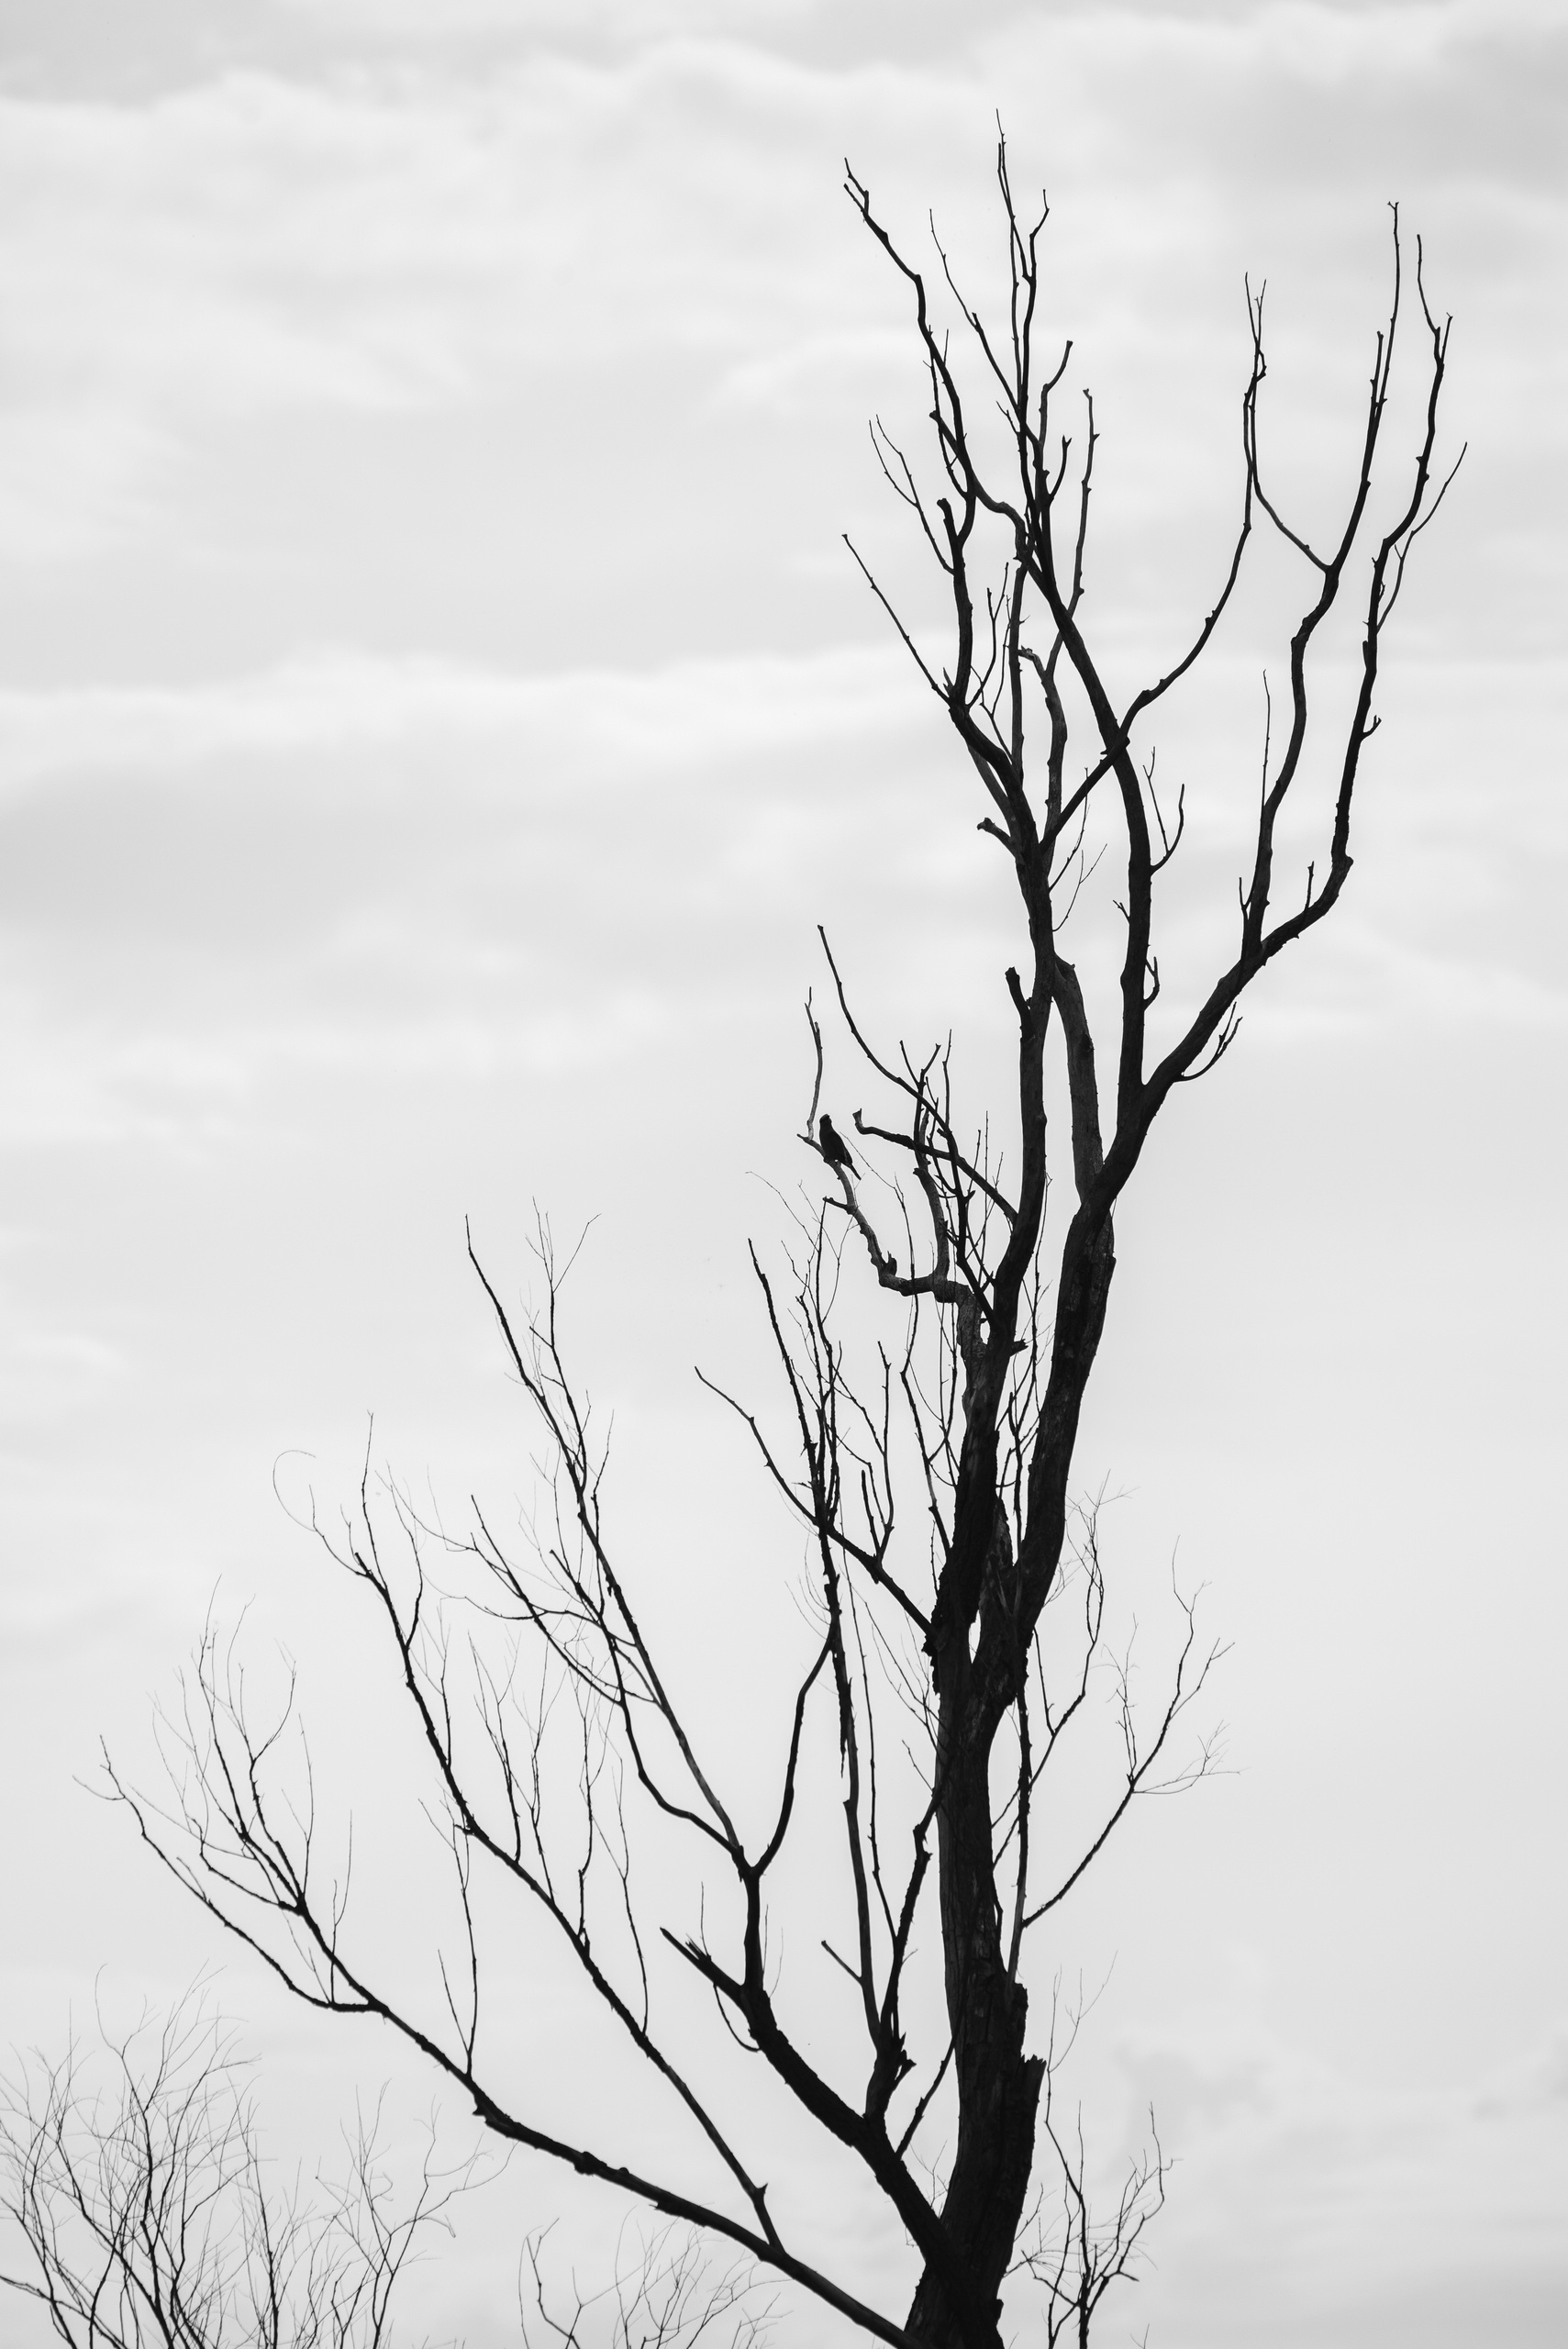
663	2295
148	2222
956	1590
1075	2262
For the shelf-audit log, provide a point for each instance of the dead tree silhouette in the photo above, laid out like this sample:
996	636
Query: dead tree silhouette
959	1599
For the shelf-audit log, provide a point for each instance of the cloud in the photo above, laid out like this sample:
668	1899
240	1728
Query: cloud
410	237
1308	2205
635	22
381	868
819	371
576	725
369	808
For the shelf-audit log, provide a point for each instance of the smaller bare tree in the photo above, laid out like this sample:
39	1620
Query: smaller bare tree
1076	2255
147	2220
665	2294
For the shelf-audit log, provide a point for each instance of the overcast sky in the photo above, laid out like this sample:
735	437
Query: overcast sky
435	708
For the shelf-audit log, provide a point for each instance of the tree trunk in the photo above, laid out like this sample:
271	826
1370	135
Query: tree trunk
998	2086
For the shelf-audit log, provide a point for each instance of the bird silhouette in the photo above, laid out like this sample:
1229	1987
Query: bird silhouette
834	1148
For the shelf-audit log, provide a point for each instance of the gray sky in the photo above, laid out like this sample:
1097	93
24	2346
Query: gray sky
435	708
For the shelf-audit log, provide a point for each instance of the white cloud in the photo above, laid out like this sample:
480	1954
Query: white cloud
410	237
77	476
1306	2204
575	726
819	371
637	21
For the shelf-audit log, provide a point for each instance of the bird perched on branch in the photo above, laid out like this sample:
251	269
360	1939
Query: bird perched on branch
835	1150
